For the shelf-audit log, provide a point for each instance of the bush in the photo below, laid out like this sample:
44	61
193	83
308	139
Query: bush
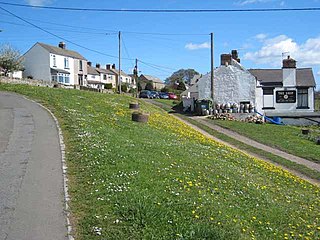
124	88
108	86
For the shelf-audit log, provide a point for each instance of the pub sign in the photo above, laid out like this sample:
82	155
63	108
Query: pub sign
286	96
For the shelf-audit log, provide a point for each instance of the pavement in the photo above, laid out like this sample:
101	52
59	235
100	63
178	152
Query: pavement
31	180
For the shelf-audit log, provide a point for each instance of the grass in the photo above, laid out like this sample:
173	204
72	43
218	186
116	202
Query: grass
274	158
163	180
286	138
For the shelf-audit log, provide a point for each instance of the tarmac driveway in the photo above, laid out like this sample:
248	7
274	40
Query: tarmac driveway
31	180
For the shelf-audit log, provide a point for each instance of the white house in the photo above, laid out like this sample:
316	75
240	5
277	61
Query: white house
232	84
125	78
98	77
55	64
286	90
273	92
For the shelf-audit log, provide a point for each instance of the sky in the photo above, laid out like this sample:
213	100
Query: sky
166	42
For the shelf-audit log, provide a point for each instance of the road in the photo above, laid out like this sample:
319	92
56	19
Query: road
31	180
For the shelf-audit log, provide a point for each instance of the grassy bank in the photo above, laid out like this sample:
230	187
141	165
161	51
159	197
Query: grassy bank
286	138
163	180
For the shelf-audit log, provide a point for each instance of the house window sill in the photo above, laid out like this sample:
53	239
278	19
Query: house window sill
268	108
303	108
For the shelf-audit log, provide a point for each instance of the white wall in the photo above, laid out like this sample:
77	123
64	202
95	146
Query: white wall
60	65
37	63
289	77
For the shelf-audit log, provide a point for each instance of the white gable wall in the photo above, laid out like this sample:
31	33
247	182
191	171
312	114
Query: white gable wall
37	63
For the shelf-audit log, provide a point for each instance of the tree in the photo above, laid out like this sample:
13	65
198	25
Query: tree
182	75
10	60
149	86
181	86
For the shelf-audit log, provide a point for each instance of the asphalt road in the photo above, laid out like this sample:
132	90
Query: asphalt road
31	180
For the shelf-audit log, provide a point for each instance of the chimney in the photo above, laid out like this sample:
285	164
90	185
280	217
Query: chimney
89	64
289	72
234	54
113	66
62	45
108	66
289	63
98	65
225	59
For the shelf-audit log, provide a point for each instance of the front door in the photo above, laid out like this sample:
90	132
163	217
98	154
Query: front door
80	79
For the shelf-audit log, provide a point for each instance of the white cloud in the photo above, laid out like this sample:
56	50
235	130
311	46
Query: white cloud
247	2
194	46
261	36
270	53
38	2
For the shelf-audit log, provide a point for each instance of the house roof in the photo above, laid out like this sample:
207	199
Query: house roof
116	71
60	51
92	70
304	76
106	71
152	78
195	79
57	70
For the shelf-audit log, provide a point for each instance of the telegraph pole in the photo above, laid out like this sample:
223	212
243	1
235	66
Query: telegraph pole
135	74
119	78
212	68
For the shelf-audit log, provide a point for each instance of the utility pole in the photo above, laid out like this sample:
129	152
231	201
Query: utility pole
119	78
135	74
212	69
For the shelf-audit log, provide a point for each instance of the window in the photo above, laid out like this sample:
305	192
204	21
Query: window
67	79
60	79
268	99
54	60
66	63
54	78
302	98
80	65
104	77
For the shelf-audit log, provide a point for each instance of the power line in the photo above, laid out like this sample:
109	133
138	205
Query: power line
158	67
165	10
57	36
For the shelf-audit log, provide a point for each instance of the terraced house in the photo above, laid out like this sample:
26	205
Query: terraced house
55	64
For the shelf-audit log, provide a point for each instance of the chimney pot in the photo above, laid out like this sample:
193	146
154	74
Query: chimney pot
225	59
108	66
235	56
97	65
289	63
89	63
113	66
62	45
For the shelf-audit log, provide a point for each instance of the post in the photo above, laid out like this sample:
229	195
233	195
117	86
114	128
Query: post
135	74
119	77
212	68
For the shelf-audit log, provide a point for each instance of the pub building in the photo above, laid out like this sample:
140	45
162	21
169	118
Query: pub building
285	92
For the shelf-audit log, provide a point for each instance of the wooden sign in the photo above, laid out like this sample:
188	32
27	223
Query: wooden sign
286	96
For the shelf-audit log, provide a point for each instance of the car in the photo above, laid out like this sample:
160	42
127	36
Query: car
172	96
145	94
154	94
164	95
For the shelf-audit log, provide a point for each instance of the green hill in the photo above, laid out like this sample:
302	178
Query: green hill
163	180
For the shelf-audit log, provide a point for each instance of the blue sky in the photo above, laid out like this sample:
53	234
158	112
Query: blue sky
260	37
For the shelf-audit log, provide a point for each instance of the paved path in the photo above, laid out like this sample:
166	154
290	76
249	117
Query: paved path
241	138
31	182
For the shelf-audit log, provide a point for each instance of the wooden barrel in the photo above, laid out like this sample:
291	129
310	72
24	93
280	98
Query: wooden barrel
134	106
140	117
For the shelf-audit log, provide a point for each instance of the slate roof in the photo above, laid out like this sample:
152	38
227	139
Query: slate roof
60	51
116	71
152	78
304	76
106	71
92	70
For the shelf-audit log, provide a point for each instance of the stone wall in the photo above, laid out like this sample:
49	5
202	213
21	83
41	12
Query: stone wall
31	82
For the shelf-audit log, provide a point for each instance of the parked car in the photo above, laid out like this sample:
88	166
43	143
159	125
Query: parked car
172	96
145	94
154	94
164	95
